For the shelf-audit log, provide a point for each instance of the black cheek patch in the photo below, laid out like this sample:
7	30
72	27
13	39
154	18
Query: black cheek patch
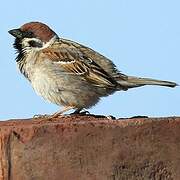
35	44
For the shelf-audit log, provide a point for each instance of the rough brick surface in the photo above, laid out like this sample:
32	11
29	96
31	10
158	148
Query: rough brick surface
90	148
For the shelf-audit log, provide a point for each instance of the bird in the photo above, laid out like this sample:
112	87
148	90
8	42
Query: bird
68	73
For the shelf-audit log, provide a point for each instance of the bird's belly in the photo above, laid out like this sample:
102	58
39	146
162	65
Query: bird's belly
46	87
65	90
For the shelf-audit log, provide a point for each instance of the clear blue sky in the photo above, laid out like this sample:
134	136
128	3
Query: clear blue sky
141	37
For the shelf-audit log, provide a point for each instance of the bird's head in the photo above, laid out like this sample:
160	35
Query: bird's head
33	35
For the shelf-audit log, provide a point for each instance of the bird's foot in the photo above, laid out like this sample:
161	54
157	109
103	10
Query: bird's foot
58	115
134	117
110	117
39	116
80	112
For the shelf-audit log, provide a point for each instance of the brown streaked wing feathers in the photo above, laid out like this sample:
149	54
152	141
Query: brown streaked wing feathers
98	58
74	62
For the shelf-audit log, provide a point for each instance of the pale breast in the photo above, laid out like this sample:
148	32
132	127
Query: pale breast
46	86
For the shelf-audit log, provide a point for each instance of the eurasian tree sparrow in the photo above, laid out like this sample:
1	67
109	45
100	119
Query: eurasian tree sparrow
67	73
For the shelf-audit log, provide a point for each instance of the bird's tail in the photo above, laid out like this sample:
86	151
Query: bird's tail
132	82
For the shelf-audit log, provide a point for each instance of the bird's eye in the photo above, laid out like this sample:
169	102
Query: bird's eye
33	43
28	34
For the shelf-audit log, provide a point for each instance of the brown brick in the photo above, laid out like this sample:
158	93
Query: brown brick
90	148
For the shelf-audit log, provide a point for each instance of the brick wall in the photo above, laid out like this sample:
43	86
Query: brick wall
90	148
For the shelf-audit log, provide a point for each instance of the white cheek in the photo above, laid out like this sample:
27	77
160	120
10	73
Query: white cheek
25	44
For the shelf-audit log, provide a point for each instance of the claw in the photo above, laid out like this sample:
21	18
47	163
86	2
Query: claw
110	117
78	111
37	116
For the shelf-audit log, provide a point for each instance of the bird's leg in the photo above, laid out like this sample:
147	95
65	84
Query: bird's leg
60	112
77	111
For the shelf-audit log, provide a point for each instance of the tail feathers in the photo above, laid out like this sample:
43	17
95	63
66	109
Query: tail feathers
132	81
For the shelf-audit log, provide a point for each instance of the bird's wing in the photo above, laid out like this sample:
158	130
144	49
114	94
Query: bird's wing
75	62
98	58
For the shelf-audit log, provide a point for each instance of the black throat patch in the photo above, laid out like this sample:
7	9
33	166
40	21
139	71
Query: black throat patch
19	50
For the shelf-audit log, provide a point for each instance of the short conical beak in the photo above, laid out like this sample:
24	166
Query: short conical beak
16	33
